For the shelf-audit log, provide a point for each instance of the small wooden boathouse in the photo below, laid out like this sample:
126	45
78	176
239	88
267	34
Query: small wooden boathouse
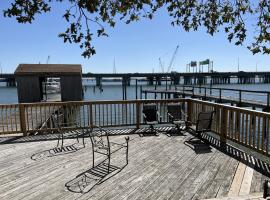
29	78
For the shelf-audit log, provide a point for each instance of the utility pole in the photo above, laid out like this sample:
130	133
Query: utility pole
48	59
257	66
238	64
114	68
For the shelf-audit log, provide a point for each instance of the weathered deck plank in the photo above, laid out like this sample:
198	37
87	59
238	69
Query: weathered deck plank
159	168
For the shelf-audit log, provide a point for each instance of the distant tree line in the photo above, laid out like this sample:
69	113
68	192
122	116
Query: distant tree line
88	17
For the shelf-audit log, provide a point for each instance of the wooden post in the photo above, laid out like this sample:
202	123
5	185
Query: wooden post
240	97
91	115
223	130
136	89
22	119
140	92
268	99
220	96
138	114
156	91
189	112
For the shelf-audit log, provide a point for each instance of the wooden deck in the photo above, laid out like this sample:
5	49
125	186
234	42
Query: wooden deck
160	167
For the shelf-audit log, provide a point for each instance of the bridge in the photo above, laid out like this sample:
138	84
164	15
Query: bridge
174	77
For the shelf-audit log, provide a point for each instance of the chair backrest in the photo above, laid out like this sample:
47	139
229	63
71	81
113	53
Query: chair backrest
204	121
150	112
99	138
175	111
57	120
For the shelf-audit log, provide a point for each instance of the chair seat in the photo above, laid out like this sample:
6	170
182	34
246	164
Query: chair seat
152	123
113	148
179	122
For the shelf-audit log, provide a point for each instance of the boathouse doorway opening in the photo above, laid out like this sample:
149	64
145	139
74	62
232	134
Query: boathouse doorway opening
51	89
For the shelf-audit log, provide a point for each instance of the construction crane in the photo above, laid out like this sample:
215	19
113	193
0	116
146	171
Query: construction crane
173	58
48	59
161	65
114	67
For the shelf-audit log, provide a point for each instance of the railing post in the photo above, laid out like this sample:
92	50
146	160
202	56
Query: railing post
91	115
140	92
138	114
22	119
220	96
268	99
223	130
240	97
189	111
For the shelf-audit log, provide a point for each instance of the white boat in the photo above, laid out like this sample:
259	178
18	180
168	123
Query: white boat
52	87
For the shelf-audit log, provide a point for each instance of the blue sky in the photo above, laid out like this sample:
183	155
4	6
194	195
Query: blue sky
136	47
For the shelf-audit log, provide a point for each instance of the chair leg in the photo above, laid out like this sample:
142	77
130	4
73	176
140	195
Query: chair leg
83	140
62	142
93	153
77	138
127	140
58	140
109	162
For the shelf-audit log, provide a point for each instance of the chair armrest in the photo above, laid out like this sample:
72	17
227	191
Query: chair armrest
144	116
183	113
159	117
170	117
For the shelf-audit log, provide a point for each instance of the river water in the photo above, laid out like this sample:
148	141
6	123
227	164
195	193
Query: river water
113	91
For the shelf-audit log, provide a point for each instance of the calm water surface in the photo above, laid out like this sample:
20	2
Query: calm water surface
113	91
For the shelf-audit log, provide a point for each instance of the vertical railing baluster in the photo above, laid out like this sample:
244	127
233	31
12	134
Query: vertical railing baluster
138	114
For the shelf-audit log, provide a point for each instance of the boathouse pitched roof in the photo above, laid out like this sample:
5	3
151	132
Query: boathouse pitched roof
48	69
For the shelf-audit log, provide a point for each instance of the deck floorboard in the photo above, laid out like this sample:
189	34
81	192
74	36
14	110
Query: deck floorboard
160	167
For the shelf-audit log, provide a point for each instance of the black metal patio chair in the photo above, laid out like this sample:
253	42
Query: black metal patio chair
177	117
151	117
203	125
66	130
101	144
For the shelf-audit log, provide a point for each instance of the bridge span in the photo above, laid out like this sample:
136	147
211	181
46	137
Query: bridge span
175	78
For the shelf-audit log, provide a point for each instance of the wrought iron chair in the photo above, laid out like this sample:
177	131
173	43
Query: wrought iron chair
151	117
177	117
62	129
101	144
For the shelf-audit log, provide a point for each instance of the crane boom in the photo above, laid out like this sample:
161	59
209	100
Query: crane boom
161	66
173	58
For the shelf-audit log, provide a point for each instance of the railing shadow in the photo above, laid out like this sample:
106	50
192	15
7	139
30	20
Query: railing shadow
49	137
57	151
86	181
247	159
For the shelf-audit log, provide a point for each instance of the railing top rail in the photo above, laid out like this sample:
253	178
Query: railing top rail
246	110
96	102
237	90
70	103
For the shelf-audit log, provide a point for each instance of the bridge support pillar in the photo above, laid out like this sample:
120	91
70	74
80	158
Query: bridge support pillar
98	81
150	81
158	80
176	80
11	83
